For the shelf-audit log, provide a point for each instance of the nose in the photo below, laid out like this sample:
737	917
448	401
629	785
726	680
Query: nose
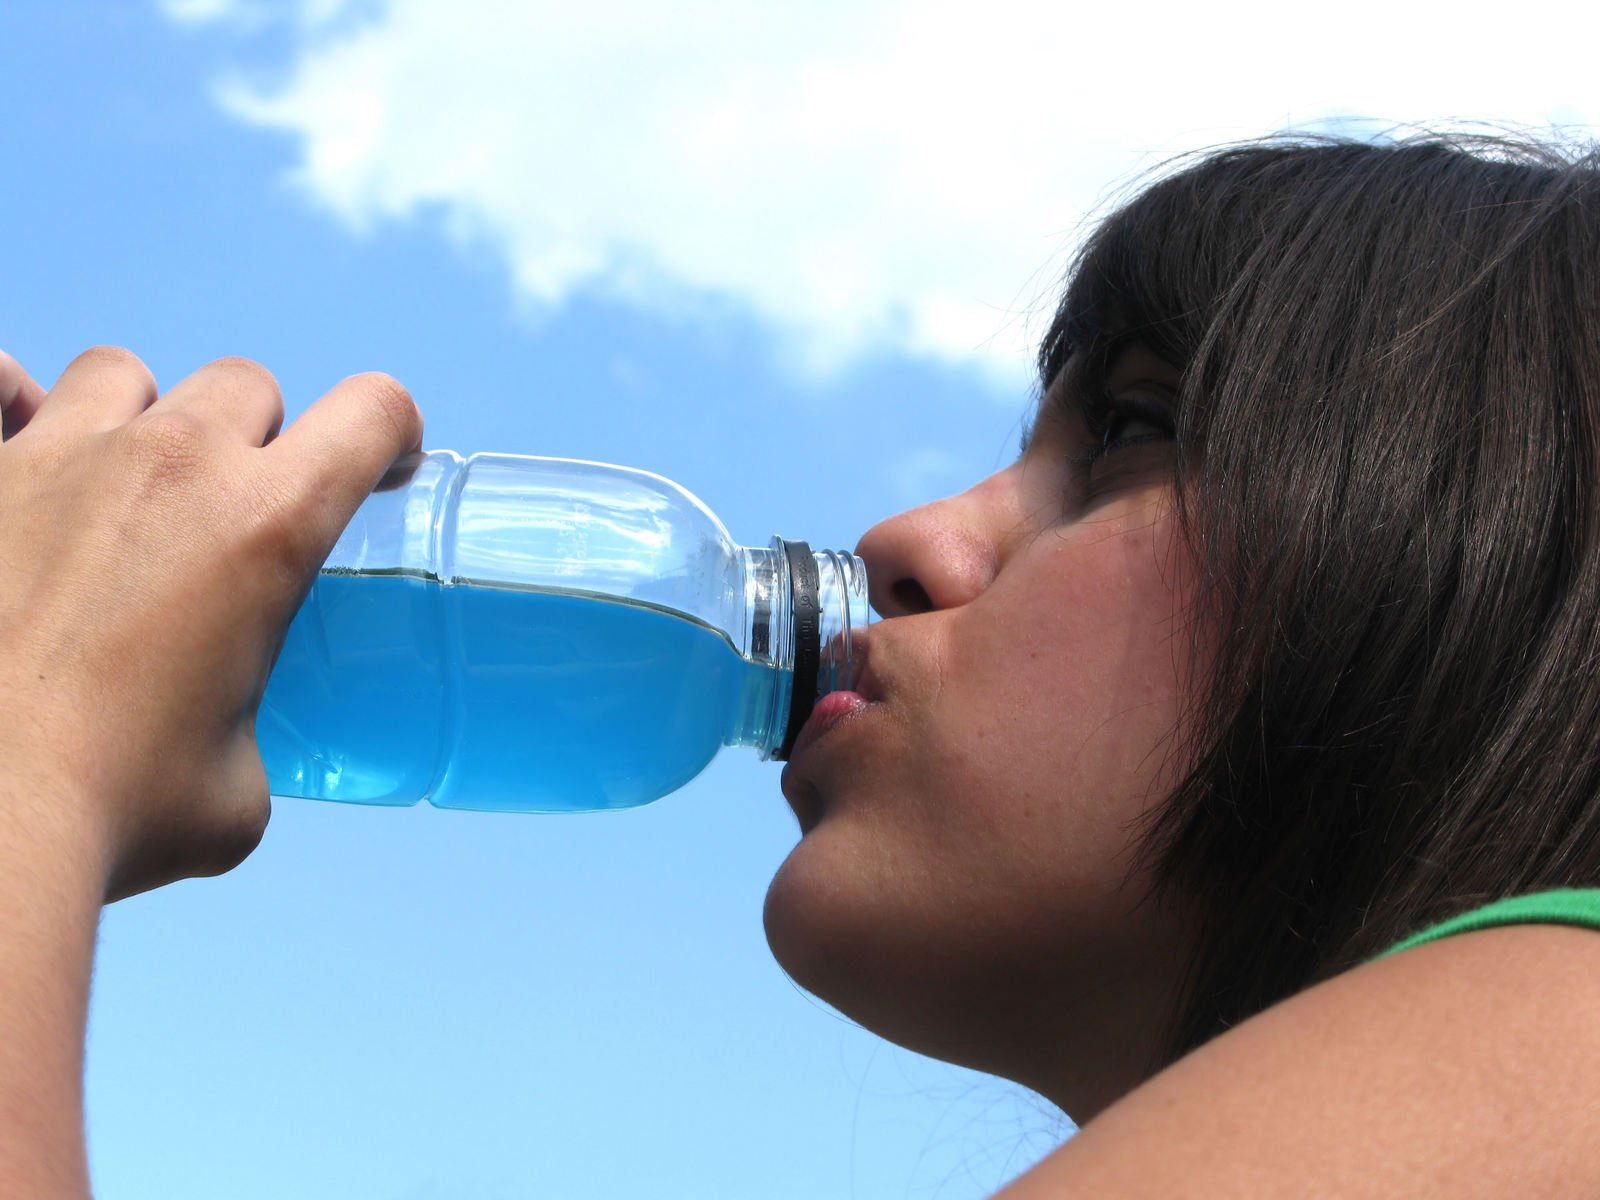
938	555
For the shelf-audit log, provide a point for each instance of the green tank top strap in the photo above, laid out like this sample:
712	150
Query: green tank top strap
1564	906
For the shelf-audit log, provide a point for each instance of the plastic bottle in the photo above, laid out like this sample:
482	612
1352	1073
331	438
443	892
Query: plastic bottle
541	634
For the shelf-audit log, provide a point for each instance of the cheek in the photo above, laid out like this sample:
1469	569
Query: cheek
1069	706
991	825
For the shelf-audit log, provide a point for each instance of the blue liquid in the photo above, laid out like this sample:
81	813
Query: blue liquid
391	688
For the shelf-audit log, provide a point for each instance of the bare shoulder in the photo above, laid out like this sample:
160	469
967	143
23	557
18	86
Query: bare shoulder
1468	1067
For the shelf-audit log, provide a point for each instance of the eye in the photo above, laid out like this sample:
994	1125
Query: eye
1125	419
1128	426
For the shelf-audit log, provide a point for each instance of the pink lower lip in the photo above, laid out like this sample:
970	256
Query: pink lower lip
831	711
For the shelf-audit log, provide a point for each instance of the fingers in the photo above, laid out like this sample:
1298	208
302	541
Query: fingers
342	445
106	387
101	389
235	397
20	396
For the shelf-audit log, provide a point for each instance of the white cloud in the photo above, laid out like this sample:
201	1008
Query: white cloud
307	17
196	12
862	174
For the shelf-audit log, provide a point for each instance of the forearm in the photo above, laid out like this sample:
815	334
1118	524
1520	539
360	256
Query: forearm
52	882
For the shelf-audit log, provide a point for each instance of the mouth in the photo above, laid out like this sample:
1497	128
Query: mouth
830	712
861	690
833	710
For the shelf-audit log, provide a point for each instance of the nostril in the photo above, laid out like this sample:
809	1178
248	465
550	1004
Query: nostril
910	596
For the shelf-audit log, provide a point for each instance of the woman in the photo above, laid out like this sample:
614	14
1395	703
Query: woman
1275	646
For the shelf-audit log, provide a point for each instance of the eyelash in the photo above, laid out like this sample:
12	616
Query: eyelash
1104	414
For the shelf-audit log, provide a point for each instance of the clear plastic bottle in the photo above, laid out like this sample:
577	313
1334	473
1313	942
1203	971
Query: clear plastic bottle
541	634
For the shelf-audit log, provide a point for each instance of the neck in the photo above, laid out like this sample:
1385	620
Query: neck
1084	1035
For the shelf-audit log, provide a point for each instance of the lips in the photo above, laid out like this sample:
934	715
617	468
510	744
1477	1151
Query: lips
800	788
837	707
831	711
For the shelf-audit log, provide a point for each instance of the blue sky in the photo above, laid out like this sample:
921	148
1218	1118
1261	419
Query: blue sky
793	265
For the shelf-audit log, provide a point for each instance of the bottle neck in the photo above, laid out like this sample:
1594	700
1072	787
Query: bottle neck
805	613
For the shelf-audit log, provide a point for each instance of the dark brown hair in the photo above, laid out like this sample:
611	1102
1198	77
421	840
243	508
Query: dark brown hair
1388	441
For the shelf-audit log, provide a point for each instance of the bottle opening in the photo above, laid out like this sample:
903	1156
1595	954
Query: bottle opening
828	608
806	610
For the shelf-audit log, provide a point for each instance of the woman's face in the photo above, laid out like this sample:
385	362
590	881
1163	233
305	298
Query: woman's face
966	882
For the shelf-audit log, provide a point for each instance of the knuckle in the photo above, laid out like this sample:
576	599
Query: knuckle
167	441
117	360
244	374
391	405
109	356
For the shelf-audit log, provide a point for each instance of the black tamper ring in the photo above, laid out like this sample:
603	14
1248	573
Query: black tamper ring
806	606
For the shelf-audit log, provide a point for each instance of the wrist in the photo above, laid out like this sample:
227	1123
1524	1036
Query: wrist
53	838
53	877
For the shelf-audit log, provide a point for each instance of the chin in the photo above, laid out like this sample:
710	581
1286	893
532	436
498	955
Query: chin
838	929
810	919
834	929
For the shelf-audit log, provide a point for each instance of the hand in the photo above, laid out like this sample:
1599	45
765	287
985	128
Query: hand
154	550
